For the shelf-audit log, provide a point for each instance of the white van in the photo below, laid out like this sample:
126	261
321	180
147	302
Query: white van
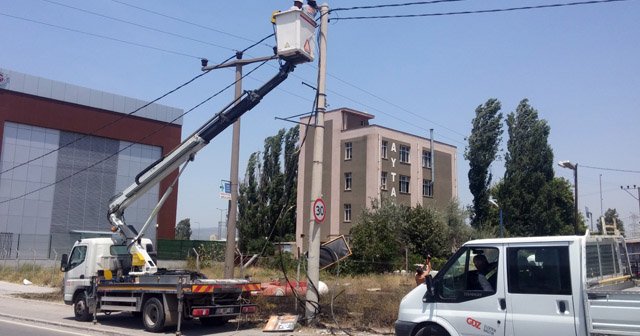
567	285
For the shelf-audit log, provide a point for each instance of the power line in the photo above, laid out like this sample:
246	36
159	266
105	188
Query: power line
102	36
612	169
394	5
481	11
138	25
185	21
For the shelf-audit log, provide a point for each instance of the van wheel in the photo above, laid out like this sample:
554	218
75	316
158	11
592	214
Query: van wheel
214	321
81	308
432	330
153	315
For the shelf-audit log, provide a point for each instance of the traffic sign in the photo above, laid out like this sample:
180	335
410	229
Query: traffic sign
319	210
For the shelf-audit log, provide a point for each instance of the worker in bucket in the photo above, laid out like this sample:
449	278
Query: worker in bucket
422	274
311	8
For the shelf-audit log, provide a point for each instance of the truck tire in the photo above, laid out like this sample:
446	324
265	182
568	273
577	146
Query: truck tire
153	315
214	321
81	308
432	330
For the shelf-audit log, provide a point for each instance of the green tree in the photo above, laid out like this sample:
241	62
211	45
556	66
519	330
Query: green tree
458	231
533	201
267	197
482	150
183	229
376	238
425	233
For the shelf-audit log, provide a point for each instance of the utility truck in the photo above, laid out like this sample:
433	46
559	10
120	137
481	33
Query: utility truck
120	274
566	285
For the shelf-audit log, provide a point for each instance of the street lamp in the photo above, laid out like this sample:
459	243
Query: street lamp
495	203
574	167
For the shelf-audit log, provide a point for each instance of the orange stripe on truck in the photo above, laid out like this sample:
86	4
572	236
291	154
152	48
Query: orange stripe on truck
251	287
202	289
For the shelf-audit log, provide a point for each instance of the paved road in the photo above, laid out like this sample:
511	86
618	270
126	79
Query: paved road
11	327
30	317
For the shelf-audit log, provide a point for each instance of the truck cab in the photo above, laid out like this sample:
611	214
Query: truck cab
525	286
92	257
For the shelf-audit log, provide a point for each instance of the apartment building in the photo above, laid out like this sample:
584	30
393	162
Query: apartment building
363	162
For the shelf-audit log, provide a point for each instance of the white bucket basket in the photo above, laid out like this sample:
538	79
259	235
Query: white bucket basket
295	36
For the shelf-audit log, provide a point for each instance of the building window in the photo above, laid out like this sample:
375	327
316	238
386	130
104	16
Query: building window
347	212
427	188
383	180
383	149
347	181
348	150
404	153
426	159
404	184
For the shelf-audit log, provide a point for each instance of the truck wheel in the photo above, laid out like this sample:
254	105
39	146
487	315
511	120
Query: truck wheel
81	308
214	321
153	315
432	330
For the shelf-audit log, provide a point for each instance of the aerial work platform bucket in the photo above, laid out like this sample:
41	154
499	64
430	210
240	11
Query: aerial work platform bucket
294	35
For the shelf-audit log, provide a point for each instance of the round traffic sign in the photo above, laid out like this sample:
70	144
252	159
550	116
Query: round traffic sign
319	210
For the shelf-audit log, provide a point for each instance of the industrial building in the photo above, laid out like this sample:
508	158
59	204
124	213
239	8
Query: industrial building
65	151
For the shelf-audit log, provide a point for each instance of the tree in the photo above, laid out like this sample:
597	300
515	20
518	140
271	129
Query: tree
533	201
458	231
183	229
266	204
376	238
482	150
387	233
611	216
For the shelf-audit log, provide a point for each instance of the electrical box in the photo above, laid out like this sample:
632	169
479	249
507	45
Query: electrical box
295	35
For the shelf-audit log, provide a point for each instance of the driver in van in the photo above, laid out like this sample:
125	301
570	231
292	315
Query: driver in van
482	265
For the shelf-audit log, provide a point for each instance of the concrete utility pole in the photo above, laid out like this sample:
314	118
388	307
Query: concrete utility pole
313	261
230	250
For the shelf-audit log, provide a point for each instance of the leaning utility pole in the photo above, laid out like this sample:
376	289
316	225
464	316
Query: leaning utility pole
313	266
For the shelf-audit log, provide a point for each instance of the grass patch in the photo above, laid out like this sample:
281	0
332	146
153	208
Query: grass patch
39	275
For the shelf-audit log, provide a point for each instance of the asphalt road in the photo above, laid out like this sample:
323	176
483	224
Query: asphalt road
30	317
10	327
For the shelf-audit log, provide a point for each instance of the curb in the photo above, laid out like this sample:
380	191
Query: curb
62	324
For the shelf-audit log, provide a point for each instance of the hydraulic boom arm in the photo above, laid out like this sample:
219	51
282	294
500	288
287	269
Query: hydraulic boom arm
157	171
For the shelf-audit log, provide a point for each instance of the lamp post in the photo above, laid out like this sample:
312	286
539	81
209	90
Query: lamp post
495	203
574	167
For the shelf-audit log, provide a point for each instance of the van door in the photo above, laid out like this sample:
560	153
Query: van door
470	293
539	295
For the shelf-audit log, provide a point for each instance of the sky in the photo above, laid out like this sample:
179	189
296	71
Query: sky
579	66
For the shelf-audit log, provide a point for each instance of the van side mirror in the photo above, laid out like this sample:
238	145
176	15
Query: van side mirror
63	262
429	295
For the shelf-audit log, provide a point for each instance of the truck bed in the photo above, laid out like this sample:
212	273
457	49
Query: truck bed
614	309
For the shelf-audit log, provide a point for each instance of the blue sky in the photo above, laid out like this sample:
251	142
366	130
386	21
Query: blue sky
579	66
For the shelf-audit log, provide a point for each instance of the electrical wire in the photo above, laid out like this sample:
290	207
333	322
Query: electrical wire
138	25
481	11
130	145
186	22
101	36
394	5
612	169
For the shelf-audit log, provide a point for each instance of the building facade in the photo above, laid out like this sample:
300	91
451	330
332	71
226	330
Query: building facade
364	162
65	151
